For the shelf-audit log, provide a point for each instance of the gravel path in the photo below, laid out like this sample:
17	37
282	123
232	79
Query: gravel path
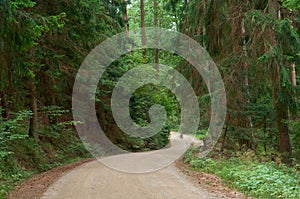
95	181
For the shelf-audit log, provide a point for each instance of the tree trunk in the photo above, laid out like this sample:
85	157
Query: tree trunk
125	19
281	107
204	25
6	80
224	138
33	128
293	75
284	138
156	55
3	105
142	7
246	83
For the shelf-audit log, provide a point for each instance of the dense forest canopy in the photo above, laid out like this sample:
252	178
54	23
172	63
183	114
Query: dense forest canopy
254	43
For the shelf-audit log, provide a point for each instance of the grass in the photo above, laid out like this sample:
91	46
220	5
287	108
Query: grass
248	175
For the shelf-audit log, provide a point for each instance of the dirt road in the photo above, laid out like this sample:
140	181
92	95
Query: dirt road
95	181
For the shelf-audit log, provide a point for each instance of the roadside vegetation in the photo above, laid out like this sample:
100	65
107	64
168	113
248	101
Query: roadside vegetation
260	176
21	156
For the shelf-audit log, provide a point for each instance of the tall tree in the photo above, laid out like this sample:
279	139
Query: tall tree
142	9
280	106
156	55
244	37
125	17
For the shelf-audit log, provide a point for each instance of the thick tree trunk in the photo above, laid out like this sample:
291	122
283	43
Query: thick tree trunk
281	117
33	128
281	108
283	129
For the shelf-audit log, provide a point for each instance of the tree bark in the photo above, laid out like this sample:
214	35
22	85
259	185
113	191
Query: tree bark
281	107
33	128
125	19
246	83
3	105
204	25
142	7
156	54
293	75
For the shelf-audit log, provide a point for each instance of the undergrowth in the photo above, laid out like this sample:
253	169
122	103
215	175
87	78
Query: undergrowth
249	175
21	156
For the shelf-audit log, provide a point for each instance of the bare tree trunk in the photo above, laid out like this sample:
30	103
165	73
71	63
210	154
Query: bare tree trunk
246	82
294	115
125	19
224	138
142	7
204	26
293	75
280	107
156	50
156	25
33	128
6	80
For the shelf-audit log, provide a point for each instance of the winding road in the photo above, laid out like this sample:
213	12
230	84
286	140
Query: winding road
97	180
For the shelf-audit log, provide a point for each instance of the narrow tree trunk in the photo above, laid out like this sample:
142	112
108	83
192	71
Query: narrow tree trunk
246	83
142	7
265	132
125	19
6	80
294	115
3	105
156	55
293	75
204	25
224	138
33	128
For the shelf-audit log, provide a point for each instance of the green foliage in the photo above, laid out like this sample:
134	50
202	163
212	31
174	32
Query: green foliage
21	156
8	132
291	4
245	173
295	138
53	112
20	4
166	19
140	103
266	180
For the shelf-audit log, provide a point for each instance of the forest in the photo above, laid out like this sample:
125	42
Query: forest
255	45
